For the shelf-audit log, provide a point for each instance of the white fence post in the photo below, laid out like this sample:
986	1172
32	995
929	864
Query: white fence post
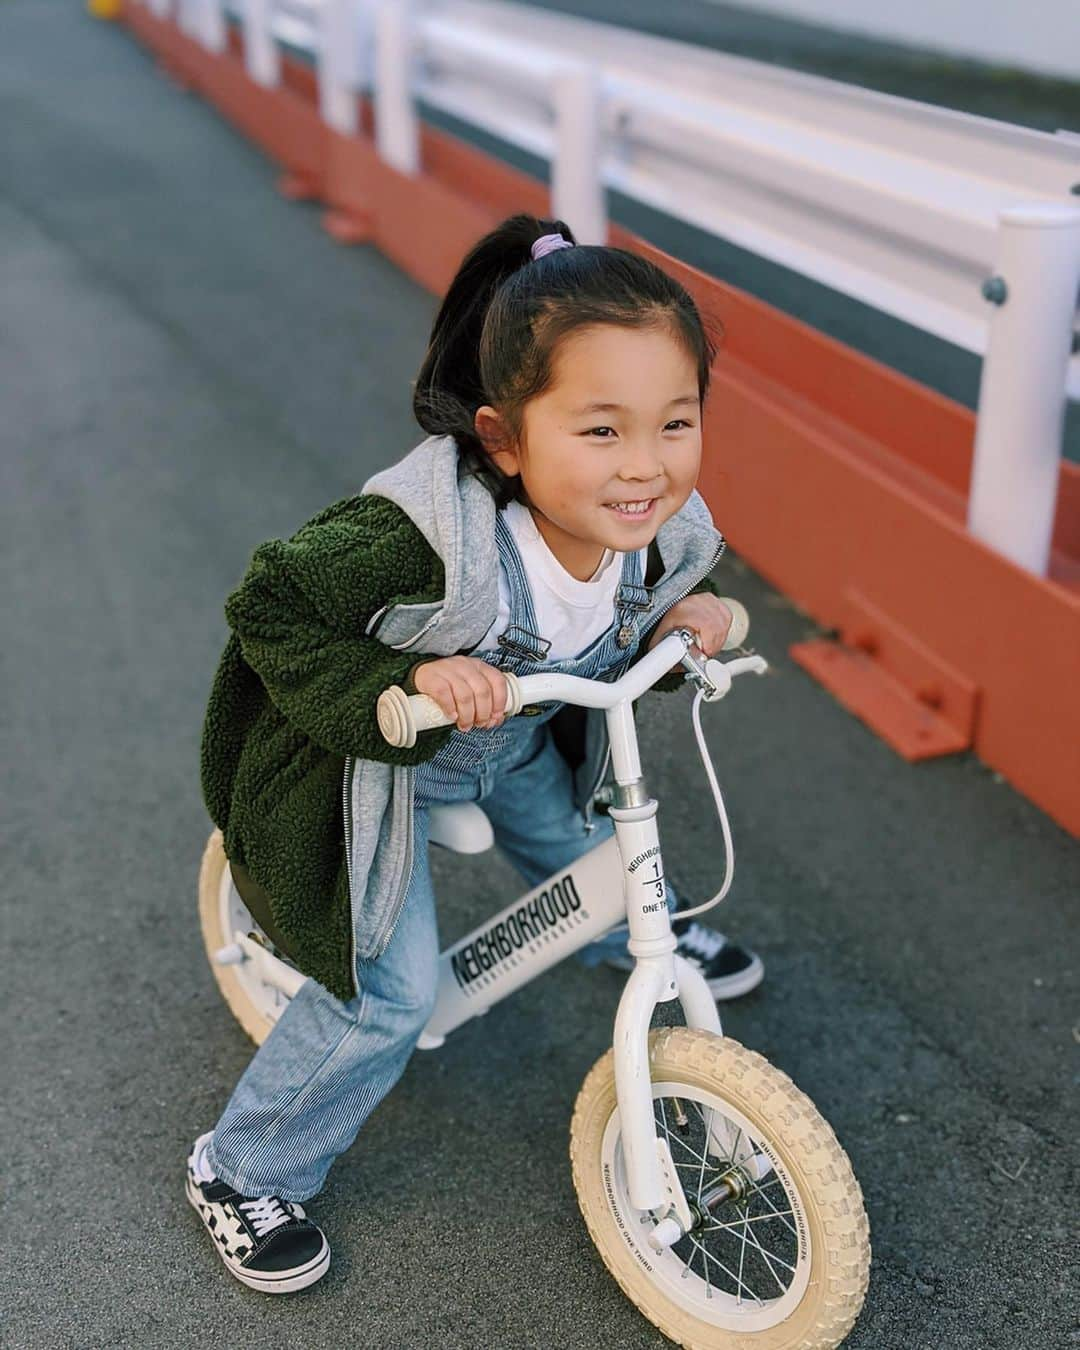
397	132
261	55
577	187
1018	435
338	37
187	17
210	24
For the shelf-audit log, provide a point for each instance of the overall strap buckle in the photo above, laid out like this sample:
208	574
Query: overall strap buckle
631	599
516	641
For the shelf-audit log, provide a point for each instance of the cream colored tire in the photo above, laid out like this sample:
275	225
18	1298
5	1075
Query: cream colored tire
830	1242
254	1004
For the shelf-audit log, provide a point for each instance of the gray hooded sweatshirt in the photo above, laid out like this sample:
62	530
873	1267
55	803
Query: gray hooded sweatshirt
456	515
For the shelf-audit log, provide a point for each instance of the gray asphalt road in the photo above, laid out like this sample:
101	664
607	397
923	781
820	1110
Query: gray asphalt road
189	366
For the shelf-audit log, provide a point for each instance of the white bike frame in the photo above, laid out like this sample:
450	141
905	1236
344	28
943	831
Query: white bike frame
574	906
581	902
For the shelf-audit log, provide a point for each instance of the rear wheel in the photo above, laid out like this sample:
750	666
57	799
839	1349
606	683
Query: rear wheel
255	1004
777	1256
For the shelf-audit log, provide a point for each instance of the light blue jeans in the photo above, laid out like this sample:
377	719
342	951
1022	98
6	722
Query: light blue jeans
326	1065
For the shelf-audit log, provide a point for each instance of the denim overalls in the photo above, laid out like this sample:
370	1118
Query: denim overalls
327	1064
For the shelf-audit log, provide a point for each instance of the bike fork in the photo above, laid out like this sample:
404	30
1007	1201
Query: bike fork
657	978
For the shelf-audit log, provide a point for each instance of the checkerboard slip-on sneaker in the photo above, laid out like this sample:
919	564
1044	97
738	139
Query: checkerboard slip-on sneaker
267	1243
730	970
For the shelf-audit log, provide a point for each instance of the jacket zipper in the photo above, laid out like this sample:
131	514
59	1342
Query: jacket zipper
671	605
346	808
406	873
376	619
346	805
373	622
404	646
346	785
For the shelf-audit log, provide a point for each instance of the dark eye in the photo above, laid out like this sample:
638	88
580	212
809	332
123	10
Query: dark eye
595	431
680	422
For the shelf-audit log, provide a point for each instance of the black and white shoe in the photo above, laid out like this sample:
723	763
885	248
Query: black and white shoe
268	1243
730	970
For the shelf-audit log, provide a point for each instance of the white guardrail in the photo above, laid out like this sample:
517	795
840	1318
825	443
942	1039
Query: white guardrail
962	226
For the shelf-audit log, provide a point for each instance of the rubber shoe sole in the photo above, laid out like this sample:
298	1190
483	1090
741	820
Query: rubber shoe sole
738	982
276	1282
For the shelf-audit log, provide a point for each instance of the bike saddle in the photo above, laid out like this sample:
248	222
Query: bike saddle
460	826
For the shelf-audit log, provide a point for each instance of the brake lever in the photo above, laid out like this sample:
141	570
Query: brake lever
717	680
711	678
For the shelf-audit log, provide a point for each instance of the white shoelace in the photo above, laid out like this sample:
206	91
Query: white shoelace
267	1213
707	941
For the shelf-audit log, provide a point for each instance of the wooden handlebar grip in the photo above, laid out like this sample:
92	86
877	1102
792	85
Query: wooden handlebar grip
402	715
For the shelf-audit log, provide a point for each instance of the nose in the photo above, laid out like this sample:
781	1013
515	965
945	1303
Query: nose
644	462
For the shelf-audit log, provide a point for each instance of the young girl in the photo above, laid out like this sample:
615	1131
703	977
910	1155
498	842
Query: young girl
549	521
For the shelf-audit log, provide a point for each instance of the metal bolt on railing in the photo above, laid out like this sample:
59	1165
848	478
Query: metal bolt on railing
995	290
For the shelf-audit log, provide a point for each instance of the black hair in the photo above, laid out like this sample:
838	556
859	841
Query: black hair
504	314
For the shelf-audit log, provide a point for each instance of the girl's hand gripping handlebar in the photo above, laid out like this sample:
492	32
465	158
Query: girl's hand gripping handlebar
402	715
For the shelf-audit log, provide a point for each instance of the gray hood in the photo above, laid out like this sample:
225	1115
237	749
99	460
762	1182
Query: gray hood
449	509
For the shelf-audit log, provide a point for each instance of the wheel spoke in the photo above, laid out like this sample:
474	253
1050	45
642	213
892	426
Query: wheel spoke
758	1218
701	1174
709	1131
662	1122
765	1257
688	1269
709	1257
674	1139
775	1212
705	1272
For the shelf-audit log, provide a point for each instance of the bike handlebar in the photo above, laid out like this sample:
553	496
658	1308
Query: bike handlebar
402	715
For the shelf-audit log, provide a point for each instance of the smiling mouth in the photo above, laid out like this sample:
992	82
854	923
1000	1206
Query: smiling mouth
633	510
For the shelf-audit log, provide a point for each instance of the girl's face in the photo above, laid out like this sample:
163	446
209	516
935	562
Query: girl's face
620	422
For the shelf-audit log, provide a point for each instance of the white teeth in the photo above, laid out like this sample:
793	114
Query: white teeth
629	510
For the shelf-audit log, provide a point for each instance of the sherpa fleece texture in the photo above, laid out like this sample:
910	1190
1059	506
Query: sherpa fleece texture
296	691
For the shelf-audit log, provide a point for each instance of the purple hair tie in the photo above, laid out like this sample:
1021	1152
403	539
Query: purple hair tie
548	243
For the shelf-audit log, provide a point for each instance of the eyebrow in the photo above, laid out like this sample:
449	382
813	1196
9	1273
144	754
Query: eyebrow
621	407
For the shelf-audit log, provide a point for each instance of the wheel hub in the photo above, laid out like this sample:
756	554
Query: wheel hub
732	1185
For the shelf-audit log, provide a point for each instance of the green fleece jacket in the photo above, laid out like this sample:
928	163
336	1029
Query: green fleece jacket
295	692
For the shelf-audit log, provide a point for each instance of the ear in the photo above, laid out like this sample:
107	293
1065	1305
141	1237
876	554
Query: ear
497	440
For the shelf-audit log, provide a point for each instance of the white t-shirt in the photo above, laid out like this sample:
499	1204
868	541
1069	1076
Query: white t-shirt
570	614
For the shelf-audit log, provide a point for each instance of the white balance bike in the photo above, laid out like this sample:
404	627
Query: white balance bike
715	1192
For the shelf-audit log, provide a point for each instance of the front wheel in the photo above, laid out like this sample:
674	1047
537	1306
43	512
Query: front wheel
778	1253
